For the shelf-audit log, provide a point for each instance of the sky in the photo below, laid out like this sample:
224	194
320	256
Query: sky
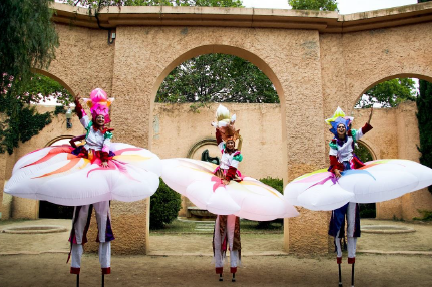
345	6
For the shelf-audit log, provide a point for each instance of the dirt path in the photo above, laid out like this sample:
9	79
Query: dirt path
186	260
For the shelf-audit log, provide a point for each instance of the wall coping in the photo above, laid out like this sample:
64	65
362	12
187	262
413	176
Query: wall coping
323	21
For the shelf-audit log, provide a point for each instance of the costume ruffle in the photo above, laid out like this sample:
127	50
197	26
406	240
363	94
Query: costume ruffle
56	175
249	198
377	181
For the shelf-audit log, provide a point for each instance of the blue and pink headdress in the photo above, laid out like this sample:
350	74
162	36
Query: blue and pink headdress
99	104
339	117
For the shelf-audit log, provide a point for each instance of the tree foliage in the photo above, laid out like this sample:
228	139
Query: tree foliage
27	40
217	77
389	93
424	116
97	5
322	5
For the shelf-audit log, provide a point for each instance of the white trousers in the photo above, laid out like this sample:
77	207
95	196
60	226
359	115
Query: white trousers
352	241
218	241
102	216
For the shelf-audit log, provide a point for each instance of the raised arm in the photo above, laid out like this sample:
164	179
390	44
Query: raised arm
80	112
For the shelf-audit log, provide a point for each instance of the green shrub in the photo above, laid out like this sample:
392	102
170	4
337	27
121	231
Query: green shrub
427	215
165	204
368	210
277	184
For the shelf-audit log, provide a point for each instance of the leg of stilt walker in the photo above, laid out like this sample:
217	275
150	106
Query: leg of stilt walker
234	255
76	253
352	275
218	255
103	280
339	256
77	280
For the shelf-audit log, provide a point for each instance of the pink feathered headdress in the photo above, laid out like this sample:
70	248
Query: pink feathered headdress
99	104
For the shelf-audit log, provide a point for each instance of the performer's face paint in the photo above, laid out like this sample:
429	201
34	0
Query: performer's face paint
100	120
230	145
341	129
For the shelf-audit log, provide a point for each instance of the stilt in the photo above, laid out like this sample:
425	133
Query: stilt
77	281
233	279
220	277
103	280
340	276
352	275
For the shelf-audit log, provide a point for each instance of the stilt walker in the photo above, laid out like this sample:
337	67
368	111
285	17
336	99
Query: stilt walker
227	227
342	158
349	182
88	177
224	191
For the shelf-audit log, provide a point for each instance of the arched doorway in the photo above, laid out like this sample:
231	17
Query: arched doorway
395	135
51	210
179	130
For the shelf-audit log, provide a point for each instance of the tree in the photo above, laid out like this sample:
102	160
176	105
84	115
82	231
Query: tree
322	5
424	116
28	40
97	5
389	93
217	77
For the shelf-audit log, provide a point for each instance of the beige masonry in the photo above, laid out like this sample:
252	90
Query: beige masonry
316	61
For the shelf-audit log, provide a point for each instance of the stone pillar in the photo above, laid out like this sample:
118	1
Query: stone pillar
303	126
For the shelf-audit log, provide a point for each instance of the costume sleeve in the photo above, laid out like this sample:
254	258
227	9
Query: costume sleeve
79	109
84	120
360	132
231	173
107	142
335	164
218	136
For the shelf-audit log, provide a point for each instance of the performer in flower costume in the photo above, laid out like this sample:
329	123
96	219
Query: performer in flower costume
227	227
88	177
96	148
342	158
224	191
348	182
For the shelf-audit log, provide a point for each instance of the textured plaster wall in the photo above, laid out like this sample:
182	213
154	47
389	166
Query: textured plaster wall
177	128
376	55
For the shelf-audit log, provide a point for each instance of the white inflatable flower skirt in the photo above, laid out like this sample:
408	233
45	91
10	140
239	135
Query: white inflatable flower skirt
55	175
250	198
377	181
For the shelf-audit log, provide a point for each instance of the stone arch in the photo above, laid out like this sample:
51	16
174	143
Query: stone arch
369	148
224	49
54	77
58	138
378	78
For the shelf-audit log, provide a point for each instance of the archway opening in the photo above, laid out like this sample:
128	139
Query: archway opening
51	210
185	107
398	122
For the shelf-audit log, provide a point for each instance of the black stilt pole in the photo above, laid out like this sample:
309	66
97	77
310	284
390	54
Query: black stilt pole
103	280
352	276
233	279
340	276
77	280
220	277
